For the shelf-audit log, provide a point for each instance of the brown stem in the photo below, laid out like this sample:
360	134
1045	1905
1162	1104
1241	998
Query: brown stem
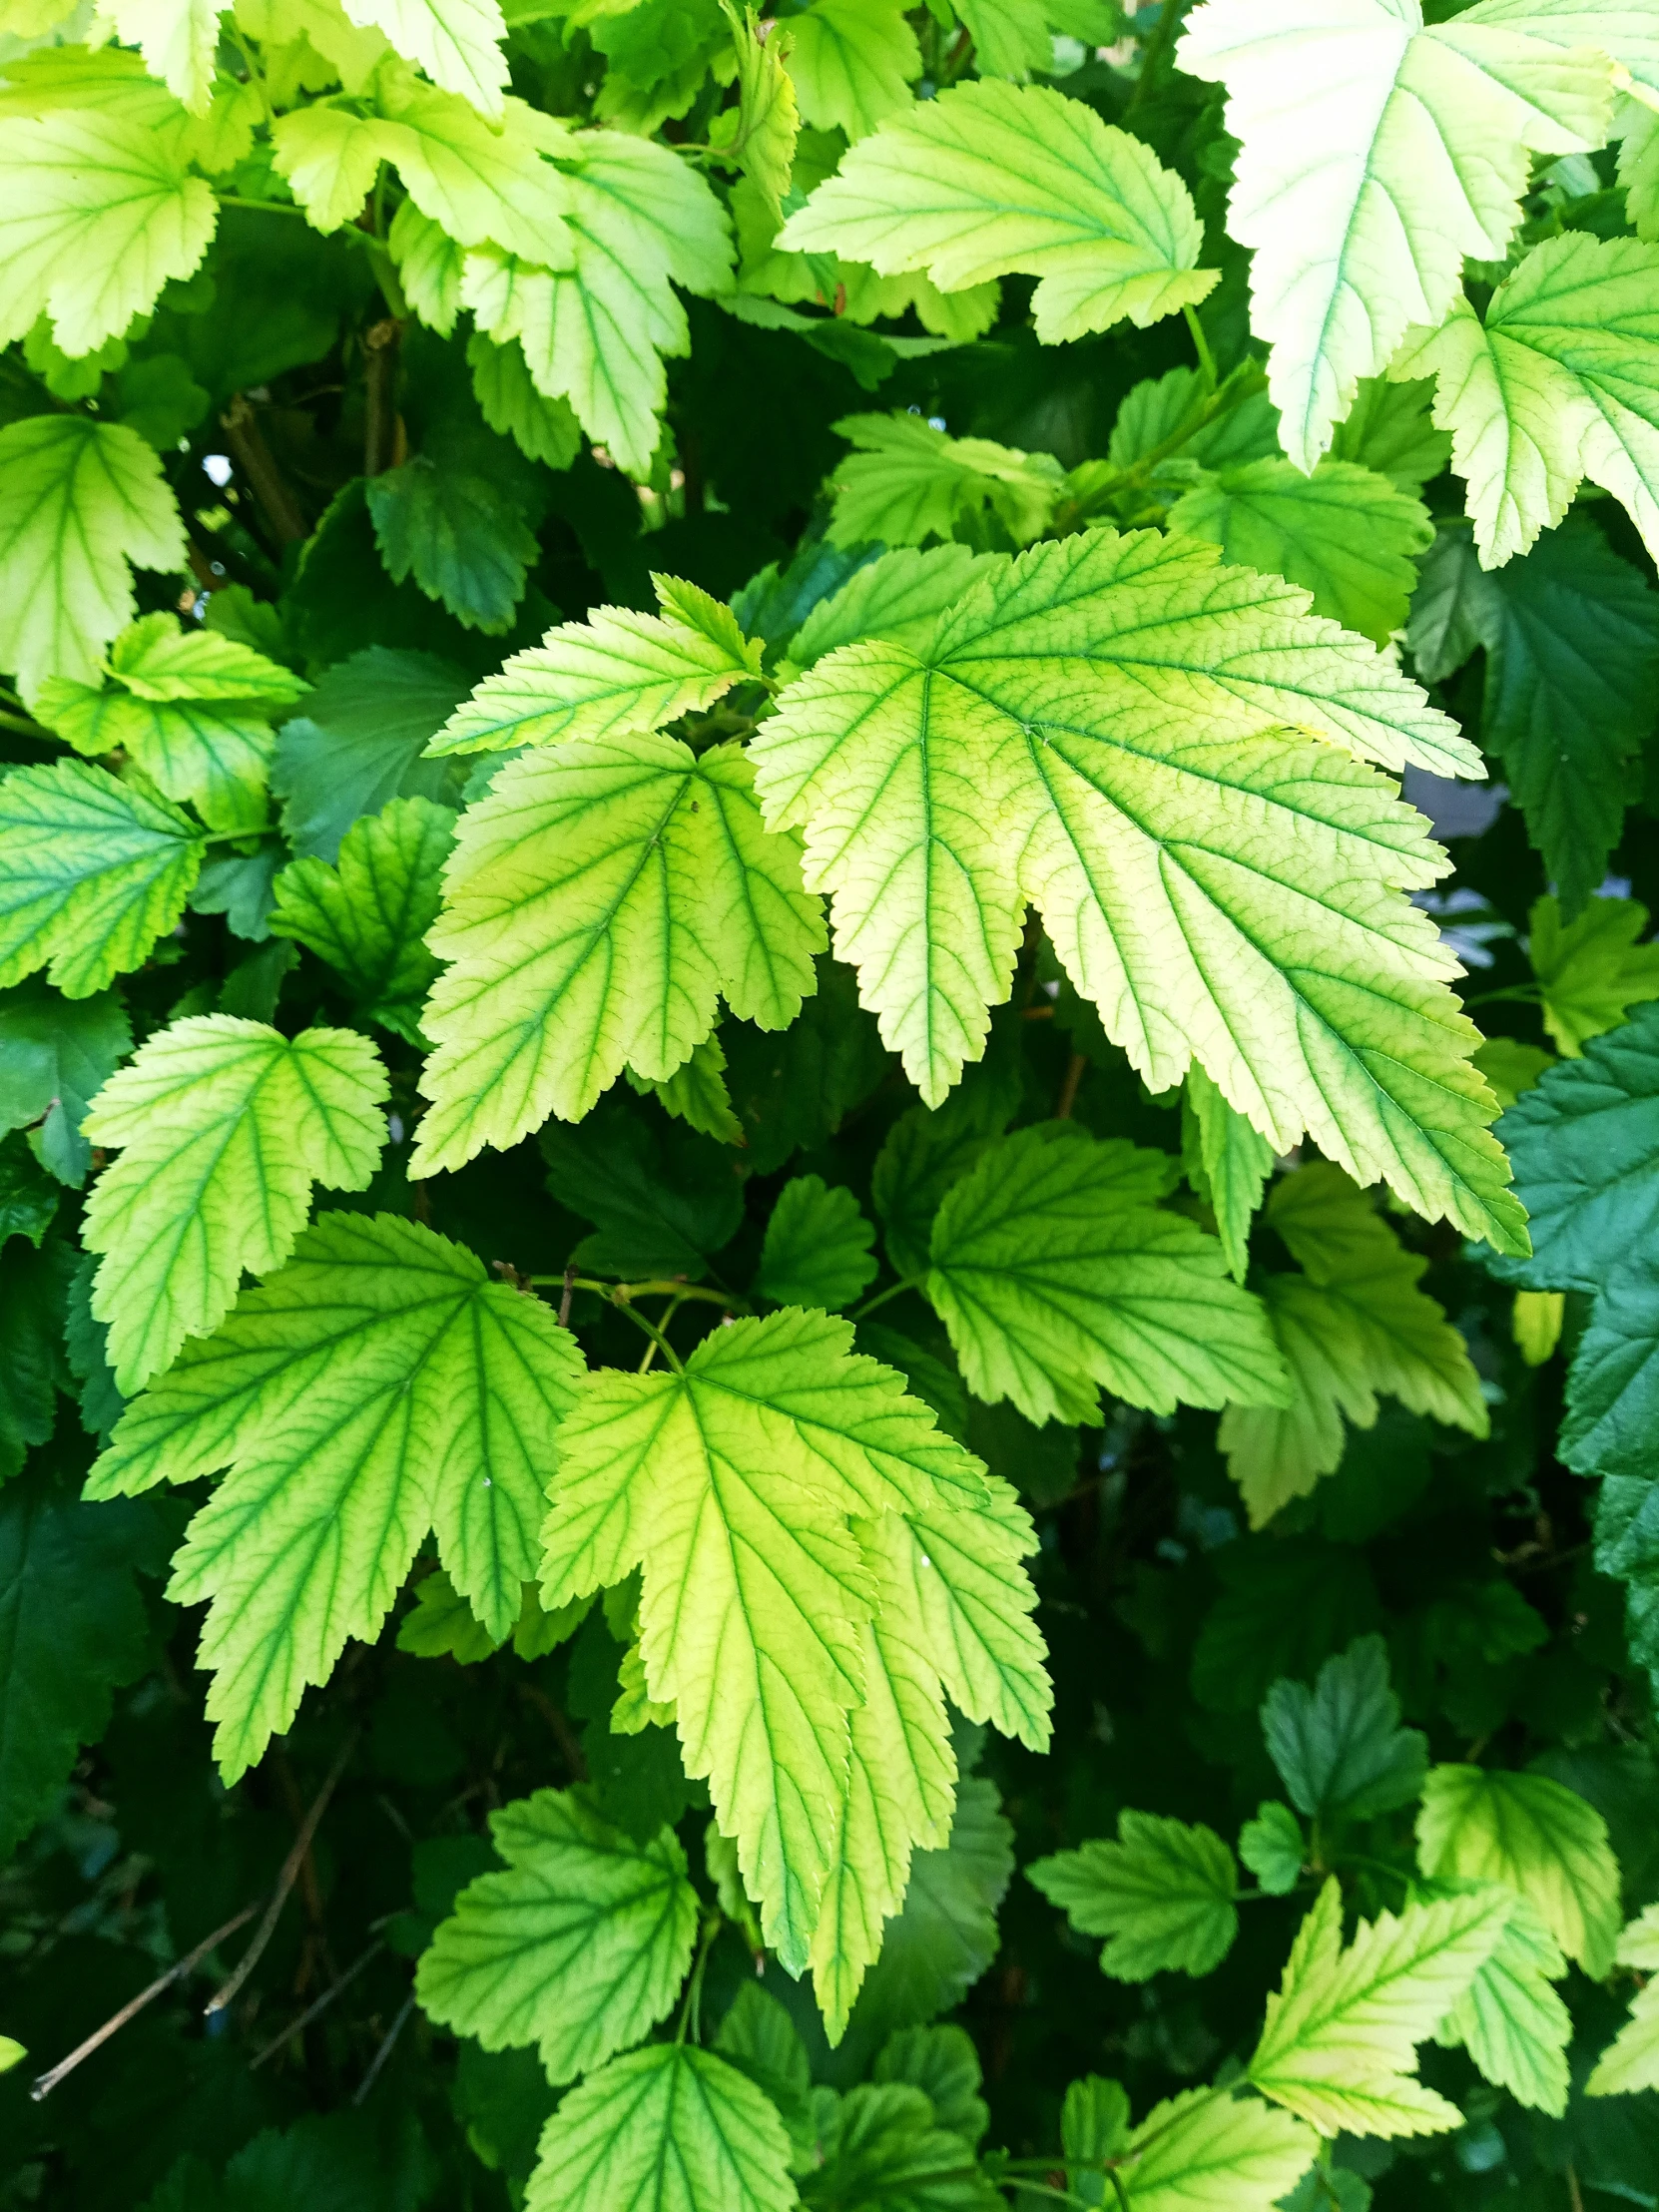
285	1882
253	457
321	2003
380	435
1068	1090
385	2051
176	1972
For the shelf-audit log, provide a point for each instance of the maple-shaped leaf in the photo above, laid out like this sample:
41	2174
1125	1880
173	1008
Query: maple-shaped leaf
579	1947
741	1486
853	63
482	186
1099	727
907	482
990	179
1162	1893
1533	1835
1339	1746
1352	1325
223	1125
377	1387
600	901
544	429
1631	2060
1591	971
818	1247
1511	2020
457	42
1055	1274
1200	2152
1377	153
1337	2043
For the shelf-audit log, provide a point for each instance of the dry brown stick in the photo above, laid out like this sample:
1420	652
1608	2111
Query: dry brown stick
49	2081
1068	1090
285	1882
320	2005
380	350
385	2051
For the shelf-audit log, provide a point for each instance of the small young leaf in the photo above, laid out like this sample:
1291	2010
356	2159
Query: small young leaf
1274	1848
817	1248
1593	970
1162	1893
1339	1746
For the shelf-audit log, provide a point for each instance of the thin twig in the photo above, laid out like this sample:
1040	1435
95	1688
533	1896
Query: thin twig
253	458
385	2051
1068	1090
321	2004
381	343
285	1882
49	2081
565	1296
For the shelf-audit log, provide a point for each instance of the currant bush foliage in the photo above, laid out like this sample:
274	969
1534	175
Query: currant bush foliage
828	1068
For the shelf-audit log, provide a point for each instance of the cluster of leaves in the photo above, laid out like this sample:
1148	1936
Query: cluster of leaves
755	1155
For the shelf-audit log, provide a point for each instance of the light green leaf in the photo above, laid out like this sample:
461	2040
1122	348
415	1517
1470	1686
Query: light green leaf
991	179
431	268
1274	1848
579	1947
1511	2021
739	1485
1593	972
1088	716
543	429
1638	128
1559	382
901	596
1339	1746
853	63
1054	1277
96	214
1631	2061
1162	1895
1228	1164
1375	155
459	535
377	1386
91	872
1336	2047
224	1126
1348	536
330	158
1094	2126
368	915
818	1247
441	1624
482	187
456	42
1389	429
1354	1325
1010	37
178	39
12	2054
670	2128
616	672
907	482
81	504
601	900
1532	1834
767	122
1198	2152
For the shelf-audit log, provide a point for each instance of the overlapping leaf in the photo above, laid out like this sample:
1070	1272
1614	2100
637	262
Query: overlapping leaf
1200	2153
368	915
1631	2061
1533	1835
1162	1895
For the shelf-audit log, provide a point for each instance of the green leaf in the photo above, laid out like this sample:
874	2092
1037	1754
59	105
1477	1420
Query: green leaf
613	675
443	1625
1336	2047
907	482
1631	2061
543	429
91	872
698	1094
1388	429
878	2146
1559	382
1274	1848
942	2063
378	1385
1591	971
330	158
460	537
1339	1746
657	1209
818	1247
32	1293
1094	2126
1054	1276
477	183
1287	1603
224	1126
1228	1164
361	741
601	900
81	504
1010	37
924	1155
1370	166
767	120
1061	713
1346	535
662	2130
742	1486
579	1947
1511	2021
55	1055
1353	1325
1532	1834
368	915
97	213
901	596
1162	1895
1198	2152
29	1196
989	179
853	62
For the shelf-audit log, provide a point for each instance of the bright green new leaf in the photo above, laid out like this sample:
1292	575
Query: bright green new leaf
600	901
579	1947
1511	2020
614	674
991	179
456	42
1337	2043
330	158
1228	1164
1375	155
1593	972
818	1247
377	1386
91	872
1631	2061
81	503
767	122
544	429
1274	1848
1200	2152
224	1126
1162	1895
12	2054
1559	382
670	2128
178	39
368	915
1532	1834
740	1487
1345	534
1339	1747
907	482
899	597
1098	728
481	186
1054	1277
1353	1325
853	63
1638	129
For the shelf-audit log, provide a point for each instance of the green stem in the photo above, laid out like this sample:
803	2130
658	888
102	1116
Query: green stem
25	728
1526	994
650	1351
1153	53
652	1331
691	2010
894	1290
255	76
657	1289
1061	2196
1201	345
263	206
